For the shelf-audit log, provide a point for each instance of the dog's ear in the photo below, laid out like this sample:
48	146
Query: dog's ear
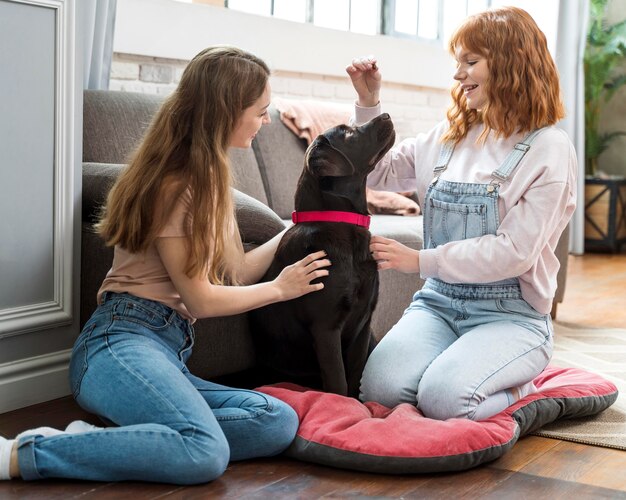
323	160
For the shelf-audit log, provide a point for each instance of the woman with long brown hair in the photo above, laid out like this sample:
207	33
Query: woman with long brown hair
178	256
496	183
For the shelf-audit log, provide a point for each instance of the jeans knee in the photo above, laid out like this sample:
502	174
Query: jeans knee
282	427
442	398
386	392
205	460
375	392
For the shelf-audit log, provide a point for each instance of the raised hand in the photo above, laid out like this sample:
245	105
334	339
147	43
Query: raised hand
366	80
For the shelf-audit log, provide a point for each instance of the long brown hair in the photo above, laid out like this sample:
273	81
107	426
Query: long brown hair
523	91
186	149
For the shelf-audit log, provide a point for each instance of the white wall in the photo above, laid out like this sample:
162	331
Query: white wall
307	62
175	30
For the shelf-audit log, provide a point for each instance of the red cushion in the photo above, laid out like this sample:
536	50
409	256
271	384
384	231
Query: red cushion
339	431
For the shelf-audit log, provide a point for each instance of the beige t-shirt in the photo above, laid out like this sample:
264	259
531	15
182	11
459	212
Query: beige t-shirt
143	274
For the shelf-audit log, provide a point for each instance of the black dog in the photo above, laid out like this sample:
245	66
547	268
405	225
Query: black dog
322	339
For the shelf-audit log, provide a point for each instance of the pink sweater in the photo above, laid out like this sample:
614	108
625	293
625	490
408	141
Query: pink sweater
535	205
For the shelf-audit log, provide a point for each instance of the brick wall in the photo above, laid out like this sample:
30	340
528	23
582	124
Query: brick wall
413	109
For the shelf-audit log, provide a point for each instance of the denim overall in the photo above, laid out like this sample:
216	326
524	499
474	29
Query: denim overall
459	344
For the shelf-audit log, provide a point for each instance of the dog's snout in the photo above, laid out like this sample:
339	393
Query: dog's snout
385	116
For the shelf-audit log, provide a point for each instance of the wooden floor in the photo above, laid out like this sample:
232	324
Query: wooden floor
536	468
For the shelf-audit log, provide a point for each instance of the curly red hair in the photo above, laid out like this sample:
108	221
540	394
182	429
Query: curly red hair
523	91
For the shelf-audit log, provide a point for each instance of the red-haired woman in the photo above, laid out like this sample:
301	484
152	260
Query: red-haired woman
496	182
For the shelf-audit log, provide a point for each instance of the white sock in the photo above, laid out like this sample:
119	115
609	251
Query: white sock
40	431
497	402
79	426
524	390
493	405
6	446
75	427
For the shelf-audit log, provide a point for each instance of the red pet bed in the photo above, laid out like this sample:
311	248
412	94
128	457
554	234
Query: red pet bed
343	432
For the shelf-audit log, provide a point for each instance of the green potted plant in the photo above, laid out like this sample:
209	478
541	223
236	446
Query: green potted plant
605	196
605	52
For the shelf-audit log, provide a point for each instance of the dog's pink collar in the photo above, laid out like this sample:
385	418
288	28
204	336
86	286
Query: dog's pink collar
331	216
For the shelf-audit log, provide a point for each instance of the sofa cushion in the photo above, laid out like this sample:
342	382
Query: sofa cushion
342	432
222	346
114	123
280	155
98	178
246	174
396	289
95	262
257	222
408	230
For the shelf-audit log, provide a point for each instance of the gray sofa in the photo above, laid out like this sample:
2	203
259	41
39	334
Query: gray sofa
265	180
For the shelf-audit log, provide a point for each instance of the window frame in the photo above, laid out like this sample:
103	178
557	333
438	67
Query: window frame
388	17
385	23
309	16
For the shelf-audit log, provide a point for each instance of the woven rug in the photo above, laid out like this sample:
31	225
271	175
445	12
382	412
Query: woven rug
601	351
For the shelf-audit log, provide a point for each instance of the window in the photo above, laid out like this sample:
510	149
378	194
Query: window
292	10
423	20
454	11
366	18
261	7
437	19
414	18
332	14
359	16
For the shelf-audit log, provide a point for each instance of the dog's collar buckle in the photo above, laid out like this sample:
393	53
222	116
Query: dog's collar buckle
331	216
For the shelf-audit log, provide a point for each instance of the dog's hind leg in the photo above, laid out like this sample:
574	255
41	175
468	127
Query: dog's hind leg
356	357
327	344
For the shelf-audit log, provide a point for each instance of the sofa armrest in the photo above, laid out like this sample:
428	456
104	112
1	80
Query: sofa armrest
114	123
257	222
96	257
98	178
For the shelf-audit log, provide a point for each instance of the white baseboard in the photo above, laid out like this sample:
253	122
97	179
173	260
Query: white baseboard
34	380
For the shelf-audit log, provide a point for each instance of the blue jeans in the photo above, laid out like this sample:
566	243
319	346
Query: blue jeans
448	355
128	367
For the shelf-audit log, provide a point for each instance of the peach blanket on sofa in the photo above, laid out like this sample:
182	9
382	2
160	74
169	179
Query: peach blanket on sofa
307	119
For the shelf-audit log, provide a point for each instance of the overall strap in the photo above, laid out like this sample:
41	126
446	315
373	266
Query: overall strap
511	162
445	153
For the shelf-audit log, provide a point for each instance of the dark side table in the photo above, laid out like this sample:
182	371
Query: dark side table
605	213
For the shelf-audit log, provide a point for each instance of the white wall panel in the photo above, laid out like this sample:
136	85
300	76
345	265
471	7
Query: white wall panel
36	164
40	182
